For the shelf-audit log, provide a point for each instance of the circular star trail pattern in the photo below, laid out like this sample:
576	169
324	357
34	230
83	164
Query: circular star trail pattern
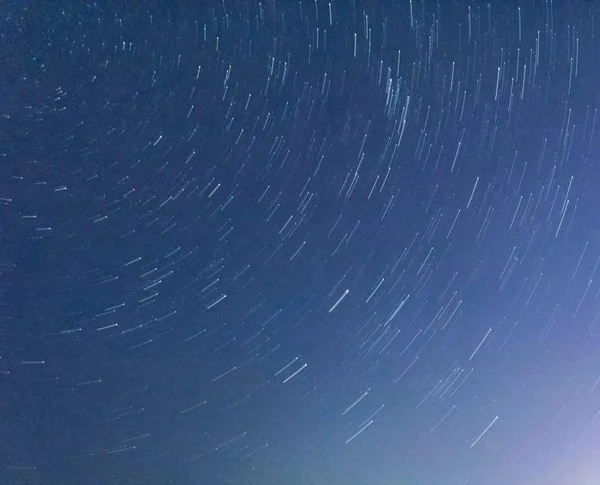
299	242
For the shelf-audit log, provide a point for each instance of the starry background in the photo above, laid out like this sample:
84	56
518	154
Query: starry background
300	242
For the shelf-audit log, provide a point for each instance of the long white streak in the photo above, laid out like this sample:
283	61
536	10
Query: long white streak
473	192
339	301
442	420
480	344
406	370
133	261
295	373
595	384
411	342
371	296
225	443
398	308
360	398
359	431
373	415
248	455
224	374
120	450
218	300
195	335
484	431
114	307
284	368
187	410
139	437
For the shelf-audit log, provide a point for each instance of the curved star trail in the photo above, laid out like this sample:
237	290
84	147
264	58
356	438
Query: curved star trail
299	242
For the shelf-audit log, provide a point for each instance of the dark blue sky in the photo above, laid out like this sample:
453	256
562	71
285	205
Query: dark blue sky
299	243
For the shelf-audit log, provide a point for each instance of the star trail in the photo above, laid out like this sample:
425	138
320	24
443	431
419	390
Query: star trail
299	242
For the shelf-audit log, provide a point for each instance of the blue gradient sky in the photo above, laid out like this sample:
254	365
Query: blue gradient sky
300	243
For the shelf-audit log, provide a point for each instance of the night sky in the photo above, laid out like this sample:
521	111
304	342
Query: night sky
300	242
